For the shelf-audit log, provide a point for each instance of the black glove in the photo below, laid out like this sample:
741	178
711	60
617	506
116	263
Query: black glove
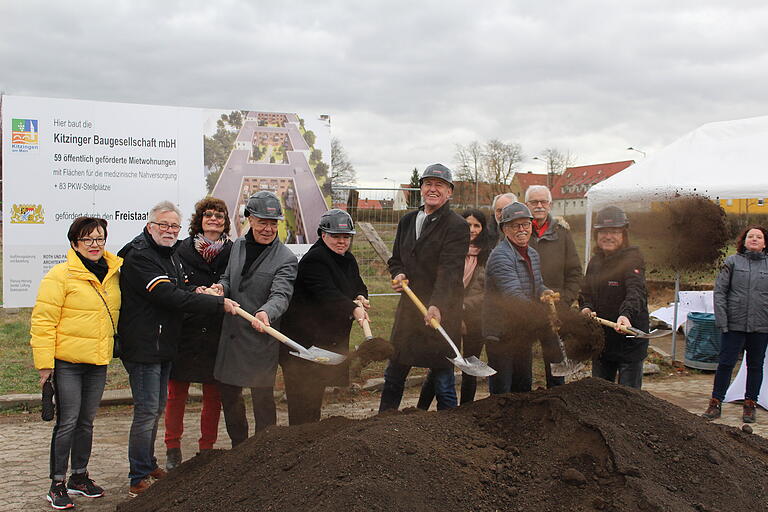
49	409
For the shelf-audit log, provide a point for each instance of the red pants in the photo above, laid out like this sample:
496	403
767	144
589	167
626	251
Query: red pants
178	390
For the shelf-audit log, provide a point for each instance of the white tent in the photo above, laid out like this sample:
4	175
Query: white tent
725	160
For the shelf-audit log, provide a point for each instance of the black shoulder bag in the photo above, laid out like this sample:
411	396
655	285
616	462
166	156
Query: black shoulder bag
116	337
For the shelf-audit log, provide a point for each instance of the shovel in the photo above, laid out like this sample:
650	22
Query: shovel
471	365
314	354
631	332
565	367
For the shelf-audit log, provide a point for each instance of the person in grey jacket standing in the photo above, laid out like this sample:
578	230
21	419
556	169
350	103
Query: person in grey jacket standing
260	273
741	313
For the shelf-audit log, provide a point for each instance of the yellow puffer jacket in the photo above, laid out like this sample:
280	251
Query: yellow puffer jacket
69	320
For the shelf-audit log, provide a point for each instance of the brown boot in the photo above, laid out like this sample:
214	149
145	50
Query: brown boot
714	409
750	411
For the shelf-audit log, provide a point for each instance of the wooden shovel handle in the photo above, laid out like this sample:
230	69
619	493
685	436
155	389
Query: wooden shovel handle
613	325
367	329
269	330
418	302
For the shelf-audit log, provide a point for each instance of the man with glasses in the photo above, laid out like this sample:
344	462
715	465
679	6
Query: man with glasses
512	278
560	265
154	298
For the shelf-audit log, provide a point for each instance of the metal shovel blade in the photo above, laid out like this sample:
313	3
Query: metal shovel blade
320	356
473	366
656	333
565	368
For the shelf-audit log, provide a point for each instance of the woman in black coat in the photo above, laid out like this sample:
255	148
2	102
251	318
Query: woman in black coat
204	256
614	288
328	294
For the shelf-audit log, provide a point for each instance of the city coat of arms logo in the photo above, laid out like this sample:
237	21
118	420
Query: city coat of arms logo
27	214
24	135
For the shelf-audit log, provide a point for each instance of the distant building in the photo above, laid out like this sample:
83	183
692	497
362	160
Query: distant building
522	180
570	188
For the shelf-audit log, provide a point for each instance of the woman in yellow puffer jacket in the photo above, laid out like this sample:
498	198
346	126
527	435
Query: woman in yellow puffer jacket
73	328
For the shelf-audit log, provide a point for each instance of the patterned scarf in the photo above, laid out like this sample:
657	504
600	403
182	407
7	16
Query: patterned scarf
209	249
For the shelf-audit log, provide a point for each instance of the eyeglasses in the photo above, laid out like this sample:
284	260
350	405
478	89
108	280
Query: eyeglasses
538	202
88	241
520	226
164	226
215	215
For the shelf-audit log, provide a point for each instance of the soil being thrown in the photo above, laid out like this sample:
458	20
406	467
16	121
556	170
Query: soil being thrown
690	231
590	445
369	351
582	336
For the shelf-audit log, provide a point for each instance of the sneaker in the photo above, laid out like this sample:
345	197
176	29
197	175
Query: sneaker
158	473
81	483
714	410
749	415
172	458
58	496
140	487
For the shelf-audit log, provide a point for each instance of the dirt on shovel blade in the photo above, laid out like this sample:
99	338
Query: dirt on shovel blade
369	351
589	445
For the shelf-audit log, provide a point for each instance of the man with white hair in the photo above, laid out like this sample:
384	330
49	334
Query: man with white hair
499	202
560	264
154	298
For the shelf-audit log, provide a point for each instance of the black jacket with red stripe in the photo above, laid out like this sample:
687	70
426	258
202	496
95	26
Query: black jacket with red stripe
155	297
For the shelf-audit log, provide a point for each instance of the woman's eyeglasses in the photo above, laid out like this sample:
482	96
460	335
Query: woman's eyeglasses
88	241
215	215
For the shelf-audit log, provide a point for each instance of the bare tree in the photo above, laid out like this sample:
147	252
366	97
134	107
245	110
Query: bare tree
470	164
501	162
557	161
342	170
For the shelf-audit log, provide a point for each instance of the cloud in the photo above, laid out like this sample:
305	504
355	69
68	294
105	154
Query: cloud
406	81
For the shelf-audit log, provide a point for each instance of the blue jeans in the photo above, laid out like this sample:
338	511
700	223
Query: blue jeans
629	374
732	343
149	387
394	385
78	389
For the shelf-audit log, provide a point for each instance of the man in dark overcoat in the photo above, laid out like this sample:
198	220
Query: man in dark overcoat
429	250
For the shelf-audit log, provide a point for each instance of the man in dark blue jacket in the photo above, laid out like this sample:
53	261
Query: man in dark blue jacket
154	294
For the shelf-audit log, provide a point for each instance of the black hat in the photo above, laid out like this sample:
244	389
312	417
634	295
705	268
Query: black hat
514	211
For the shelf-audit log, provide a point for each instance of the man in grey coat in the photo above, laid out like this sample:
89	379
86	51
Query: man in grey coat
261	273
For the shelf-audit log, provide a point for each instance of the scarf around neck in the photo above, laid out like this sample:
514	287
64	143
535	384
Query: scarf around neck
209	249
470	263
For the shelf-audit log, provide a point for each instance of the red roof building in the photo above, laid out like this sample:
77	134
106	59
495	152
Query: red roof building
570	188
522	180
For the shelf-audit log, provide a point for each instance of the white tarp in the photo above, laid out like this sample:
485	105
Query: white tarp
690	302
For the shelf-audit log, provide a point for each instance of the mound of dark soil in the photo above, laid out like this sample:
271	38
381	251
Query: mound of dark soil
590	445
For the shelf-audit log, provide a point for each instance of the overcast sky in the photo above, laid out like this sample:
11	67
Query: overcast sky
406	81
